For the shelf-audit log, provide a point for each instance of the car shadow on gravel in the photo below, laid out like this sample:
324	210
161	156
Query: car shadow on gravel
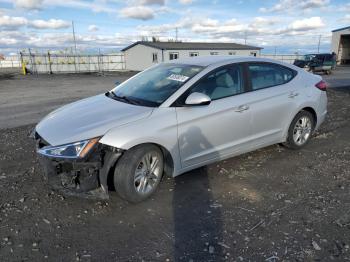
197	222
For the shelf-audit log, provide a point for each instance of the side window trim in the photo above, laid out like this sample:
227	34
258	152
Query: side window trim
249	78
246	77
179	103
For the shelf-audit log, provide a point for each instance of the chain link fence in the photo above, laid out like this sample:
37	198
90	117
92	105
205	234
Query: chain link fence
12	61
40	63
284	58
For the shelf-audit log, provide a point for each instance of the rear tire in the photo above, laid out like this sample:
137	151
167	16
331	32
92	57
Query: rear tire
300	130
138	173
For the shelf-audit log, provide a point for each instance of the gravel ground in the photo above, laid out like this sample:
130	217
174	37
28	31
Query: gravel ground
339	77
26	99
273	204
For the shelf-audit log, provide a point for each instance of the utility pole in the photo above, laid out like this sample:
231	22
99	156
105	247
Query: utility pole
319	43
176	32
75	47
75	42
245	37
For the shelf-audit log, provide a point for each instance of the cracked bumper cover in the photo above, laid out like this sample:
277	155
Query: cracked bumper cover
86	177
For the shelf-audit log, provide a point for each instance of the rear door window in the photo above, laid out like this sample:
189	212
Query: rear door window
263	75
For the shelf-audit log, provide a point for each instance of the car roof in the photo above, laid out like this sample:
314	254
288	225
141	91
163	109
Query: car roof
320	54
216	59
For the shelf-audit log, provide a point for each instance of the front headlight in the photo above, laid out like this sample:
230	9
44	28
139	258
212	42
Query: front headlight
73	150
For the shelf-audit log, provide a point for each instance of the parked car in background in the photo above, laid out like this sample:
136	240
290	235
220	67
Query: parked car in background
317	63
175	117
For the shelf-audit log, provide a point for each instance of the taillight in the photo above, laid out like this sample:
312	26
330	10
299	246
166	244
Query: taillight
322	85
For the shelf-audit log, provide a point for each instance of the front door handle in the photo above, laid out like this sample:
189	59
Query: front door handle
293	94
242	108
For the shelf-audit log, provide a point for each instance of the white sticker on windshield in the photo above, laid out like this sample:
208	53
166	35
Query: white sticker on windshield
179	78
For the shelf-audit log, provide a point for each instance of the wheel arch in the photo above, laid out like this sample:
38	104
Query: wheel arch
168	163
312	111
168	159
307	108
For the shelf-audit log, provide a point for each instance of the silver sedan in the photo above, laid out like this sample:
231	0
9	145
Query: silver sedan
175	117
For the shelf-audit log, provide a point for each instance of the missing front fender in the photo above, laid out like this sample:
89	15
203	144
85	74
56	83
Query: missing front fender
84	178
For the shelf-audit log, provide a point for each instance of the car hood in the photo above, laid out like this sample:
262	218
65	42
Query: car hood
88	118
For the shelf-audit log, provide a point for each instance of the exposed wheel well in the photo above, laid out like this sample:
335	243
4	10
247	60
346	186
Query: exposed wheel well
312	111
168	164
168	161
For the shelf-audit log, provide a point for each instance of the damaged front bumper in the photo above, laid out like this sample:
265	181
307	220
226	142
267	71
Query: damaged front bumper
85	177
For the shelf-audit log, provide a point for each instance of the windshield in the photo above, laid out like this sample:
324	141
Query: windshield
153	86
308	57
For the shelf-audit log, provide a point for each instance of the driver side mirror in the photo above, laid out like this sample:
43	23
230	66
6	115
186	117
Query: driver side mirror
197	99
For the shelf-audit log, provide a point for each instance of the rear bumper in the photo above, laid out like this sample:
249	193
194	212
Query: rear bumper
321	119
322	109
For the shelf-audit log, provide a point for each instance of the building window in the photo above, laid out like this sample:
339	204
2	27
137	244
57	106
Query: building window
173	56
253	53
231	53
155	57
214	53
193	54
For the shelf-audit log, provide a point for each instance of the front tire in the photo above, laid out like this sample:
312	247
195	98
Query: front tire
300	130
138	173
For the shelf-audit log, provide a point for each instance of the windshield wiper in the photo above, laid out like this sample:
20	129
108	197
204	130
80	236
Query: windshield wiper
128	100
124	99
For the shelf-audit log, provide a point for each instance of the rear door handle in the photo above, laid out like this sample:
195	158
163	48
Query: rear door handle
242	108
293	94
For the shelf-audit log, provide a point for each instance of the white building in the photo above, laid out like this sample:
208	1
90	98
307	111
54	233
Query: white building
341	44
142	54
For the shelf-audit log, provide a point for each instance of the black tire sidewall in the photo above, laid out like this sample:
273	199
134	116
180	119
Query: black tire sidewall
290	141
125	170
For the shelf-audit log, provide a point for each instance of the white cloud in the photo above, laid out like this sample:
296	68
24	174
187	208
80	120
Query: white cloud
269	30
10	38
309	4
344	8
307	24
49	24
98	6
266	29
185	2
152	2
14	40
93	28
290	5
345	19
12	22
95	6
29	4
137	12
264	21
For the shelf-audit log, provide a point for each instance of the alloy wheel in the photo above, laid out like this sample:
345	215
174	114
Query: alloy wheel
302	130
147	173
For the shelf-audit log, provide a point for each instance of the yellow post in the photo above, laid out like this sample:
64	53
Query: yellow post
24	71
